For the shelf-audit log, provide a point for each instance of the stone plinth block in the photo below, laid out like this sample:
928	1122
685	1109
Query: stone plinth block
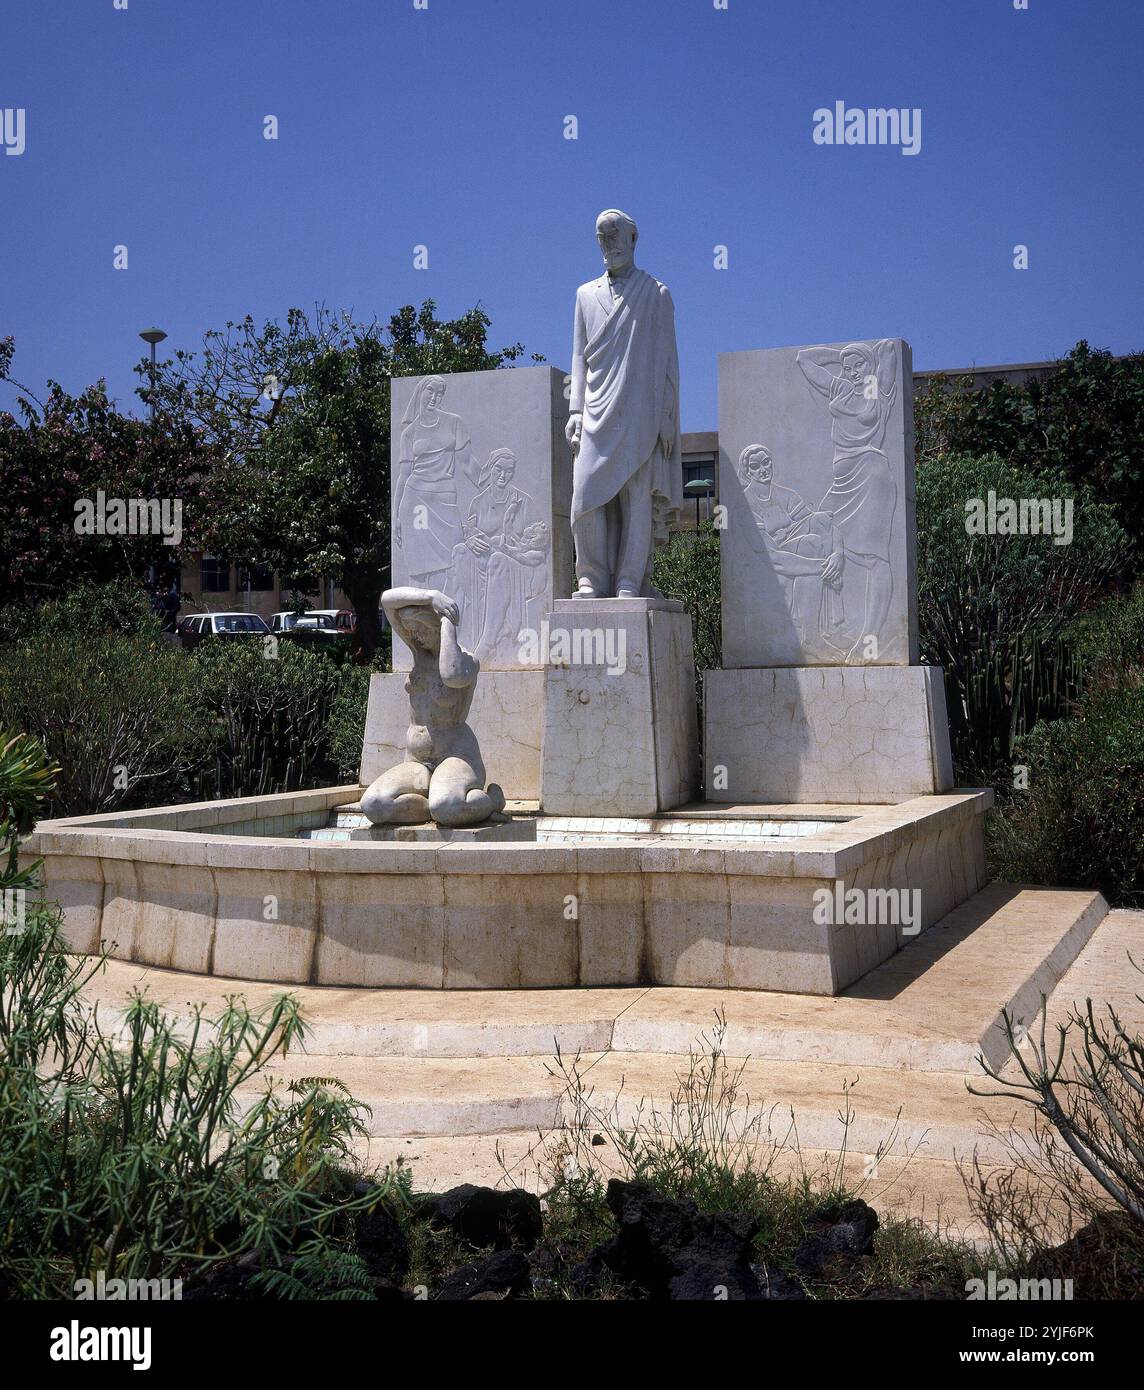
620	727
481	496
505	716
826	733
816	472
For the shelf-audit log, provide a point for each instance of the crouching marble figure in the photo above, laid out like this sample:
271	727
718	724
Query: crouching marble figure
443	777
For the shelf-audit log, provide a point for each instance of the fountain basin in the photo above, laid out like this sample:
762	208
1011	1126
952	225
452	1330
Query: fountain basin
731	900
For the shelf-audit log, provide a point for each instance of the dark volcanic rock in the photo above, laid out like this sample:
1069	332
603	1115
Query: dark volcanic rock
386	1291
505	1272
714	1283
549	1261
382	1245
671	1249
485	1216
226	1281
845	1232
777	1286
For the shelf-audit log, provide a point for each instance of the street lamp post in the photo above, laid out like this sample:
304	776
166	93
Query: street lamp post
697	488
154	336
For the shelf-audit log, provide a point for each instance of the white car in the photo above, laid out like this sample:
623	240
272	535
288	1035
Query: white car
336	621
199	626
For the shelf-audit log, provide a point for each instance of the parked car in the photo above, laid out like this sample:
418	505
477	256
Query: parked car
199	626
345	620
319	626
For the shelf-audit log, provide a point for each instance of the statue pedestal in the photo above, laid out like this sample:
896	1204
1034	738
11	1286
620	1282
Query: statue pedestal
620	733
825	733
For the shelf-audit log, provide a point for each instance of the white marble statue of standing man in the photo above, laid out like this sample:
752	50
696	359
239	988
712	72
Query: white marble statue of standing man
627	477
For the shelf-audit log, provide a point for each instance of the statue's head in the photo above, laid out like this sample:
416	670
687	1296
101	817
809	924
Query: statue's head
755	465
501	468
616	233
423	627
431	390
427	395
857	363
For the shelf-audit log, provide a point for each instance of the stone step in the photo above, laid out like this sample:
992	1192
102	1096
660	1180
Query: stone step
932	1007
464	1086
435	1095
927	1114
395	1022
1103	972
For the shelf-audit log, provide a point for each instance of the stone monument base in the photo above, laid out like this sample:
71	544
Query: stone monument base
620	733
862	734
506	717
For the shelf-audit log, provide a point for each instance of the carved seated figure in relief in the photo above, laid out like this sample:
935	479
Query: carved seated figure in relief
498	567
804	548
443	777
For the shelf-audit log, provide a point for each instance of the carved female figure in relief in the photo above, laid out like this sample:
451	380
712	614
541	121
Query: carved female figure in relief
443	777
860	387
426	519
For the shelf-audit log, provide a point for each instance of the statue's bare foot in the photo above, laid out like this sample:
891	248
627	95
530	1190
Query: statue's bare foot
410	808
457	810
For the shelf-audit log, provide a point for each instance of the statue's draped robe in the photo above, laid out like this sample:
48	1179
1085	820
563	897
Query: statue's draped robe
431	453
863	495
627	388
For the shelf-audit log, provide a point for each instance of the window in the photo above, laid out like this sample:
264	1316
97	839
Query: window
701	469
258	578
215	575
238	622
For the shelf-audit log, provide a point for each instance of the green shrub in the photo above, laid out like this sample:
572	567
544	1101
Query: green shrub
992	608
150	1153
116	713
134	721
1080	823
997	696
1109	640
118	606
270	716
1085	420
982	591
687	568
26	781
345	728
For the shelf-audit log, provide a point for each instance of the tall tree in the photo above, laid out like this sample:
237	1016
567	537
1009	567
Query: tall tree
1084	419
56	456
298	419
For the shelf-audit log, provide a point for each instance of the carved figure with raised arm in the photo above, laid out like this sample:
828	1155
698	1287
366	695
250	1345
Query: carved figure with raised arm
443	776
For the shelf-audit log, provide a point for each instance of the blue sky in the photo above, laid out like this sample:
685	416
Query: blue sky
444	127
